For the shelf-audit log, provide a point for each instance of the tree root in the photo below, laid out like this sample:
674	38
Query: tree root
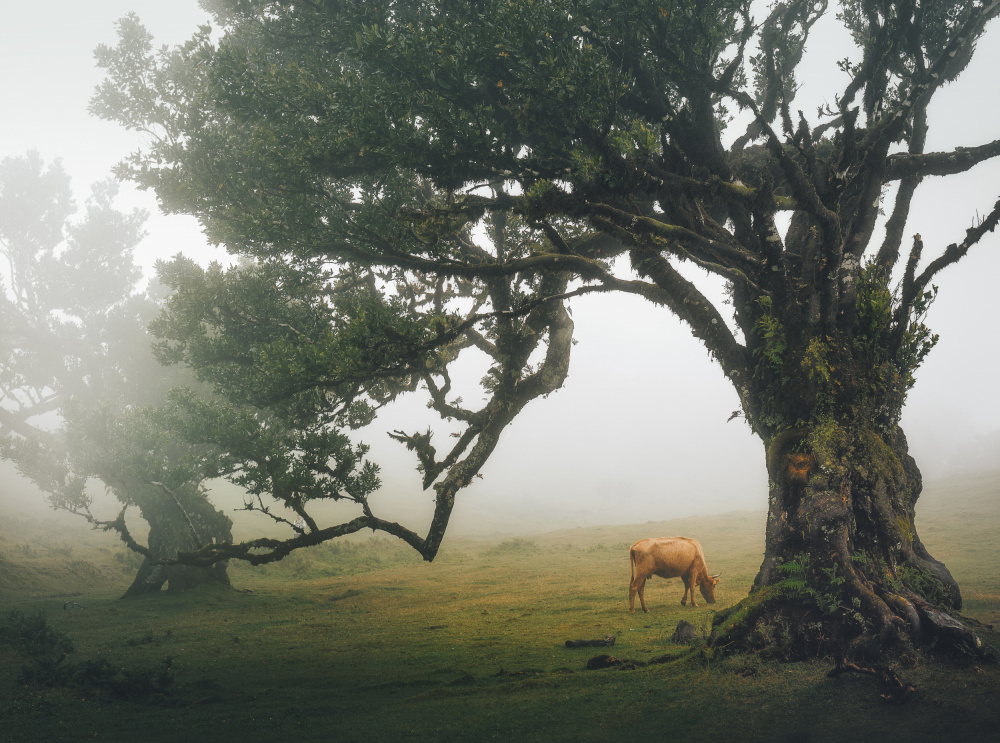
774	618
895	690
905	609
945	625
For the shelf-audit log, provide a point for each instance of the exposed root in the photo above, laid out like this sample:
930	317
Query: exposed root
945	625
891	628
906	609
895	690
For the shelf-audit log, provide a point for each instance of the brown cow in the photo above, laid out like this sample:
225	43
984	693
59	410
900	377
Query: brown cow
670	557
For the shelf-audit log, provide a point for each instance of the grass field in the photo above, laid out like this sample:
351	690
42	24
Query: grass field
361	641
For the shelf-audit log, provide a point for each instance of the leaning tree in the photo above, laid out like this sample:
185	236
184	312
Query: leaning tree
376	136
298	352
76	366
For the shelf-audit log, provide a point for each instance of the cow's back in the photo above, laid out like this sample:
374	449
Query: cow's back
667	557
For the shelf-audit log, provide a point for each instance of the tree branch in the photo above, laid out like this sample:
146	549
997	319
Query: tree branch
888	253
953	59
956	251
776	92
691	306
914	287
266	550
680	239
939	163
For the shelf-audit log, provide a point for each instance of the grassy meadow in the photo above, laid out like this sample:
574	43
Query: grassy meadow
359	640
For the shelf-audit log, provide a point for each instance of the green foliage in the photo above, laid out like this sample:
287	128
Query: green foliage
289	368
267	456
275	336
891	373
819	588
918	340
815	363
874	311
69	312
925	584
857	374
63	268
313	141
939	21
770	330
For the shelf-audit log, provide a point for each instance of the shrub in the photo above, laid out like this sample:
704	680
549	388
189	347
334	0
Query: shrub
31	635
48	649
516	546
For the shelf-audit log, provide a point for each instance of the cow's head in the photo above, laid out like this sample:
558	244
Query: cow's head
707	586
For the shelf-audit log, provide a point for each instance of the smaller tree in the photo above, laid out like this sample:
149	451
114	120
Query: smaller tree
297	353
76	365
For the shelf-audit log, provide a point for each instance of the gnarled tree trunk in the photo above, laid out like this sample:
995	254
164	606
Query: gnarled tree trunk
844	571
180	520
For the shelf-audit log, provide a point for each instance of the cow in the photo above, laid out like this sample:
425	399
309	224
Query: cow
670	557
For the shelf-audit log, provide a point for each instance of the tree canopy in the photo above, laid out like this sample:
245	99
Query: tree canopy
421	178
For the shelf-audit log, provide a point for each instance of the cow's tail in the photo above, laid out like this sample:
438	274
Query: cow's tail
631	559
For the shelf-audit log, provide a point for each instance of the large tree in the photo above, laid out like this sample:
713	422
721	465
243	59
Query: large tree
377	135
76	367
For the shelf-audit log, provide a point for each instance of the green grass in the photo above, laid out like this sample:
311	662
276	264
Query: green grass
361	641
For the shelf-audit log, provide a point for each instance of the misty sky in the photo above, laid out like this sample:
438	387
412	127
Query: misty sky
639	431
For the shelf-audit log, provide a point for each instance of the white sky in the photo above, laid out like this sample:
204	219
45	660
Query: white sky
639	431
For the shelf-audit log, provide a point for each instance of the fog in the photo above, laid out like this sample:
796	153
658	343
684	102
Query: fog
639	432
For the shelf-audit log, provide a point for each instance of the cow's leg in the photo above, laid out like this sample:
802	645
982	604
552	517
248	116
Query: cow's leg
642	596
692	584
688	586
635	587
